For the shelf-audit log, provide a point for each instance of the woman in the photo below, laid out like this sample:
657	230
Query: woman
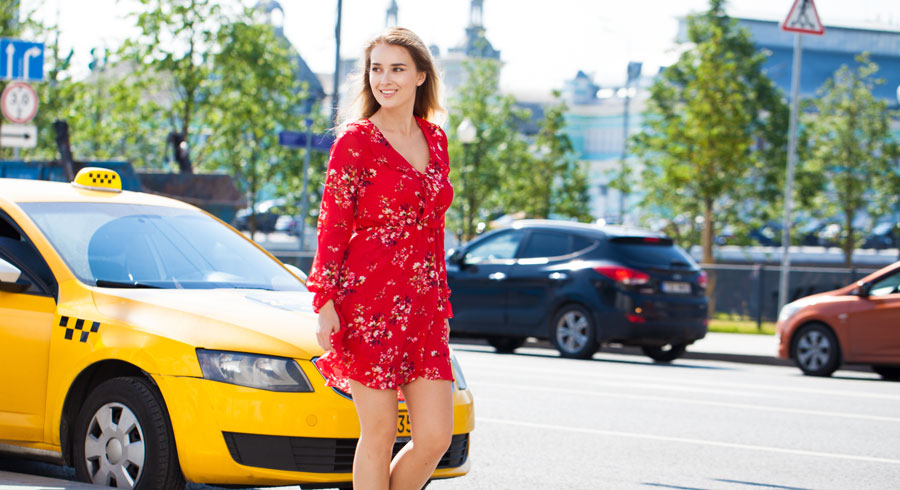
379	274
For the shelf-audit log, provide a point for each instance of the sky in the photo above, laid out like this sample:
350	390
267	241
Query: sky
542	43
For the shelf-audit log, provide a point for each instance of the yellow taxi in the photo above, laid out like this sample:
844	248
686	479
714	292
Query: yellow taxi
146	343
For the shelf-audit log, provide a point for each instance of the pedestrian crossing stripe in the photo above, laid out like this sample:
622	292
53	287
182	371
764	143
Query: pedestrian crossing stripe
79	325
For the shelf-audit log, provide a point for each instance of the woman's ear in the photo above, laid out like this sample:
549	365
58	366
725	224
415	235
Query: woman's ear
421	78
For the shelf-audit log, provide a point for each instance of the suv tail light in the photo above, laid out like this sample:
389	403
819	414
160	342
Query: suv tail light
702	279
623	275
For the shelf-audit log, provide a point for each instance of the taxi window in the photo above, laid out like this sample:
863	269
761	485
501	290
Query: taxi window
16	249
122	245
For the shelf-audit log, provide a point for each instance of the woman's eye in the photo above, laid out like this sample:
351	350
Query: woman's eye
398	69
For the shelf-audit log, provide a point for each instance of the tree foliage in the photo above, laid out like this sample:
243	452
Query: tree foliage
256	95
713	143
503	171
852	150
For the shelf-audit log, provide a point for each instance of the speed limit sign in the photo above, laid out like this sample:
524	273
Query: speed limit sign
19	102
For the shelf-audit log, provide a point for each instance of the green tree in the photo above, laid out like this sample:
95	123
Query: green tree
713	143
548	181
478	172
175	50
853	151
256	95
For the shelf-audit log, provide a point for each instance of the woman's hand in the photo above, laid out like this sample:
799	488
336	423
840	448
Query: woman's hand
328	324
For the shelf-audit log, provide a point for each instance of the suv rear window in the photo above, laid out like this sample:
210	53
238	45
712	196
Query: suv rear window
651	252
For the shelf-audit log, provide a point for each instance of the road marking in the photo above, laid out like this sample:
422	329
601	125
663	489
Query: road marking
674	386
583	374
742	406
702	442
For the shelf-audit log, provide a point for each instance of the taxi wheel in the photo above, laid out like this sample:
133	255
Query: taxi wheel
816	350
664	353
506	345
123	438
573	332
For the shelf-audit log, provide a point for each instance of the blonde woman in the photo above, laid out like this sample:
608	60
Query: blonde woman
379	274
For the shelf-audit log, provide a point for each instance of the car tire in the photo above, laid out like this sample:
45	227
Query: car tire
506	345
664	353
136	448
816	351
573	332
888	373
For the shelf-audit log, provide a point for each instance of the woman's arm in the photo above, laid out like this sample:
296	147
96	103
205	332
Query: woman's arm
337	214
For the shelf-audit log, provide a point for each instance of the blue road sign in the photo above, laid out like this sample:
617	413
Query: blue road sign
296	139
21	60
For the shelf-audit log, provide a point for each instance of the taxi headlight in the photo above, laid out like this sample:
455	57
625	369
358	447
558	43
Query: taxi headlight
458	374
789	310
254	371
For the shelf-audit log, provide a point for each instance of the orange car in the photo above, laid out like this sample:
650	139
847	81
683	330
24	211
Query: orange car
856	324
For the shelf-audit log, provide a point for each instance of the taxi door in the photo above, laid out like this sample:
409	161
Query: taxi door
27	311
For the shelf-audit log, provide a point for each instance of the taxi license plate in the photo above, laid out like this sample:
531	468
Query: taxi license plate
676	287
403	426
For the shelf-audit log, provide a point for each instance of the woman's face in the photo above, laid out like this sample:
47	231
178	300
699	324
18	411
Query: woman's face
393	77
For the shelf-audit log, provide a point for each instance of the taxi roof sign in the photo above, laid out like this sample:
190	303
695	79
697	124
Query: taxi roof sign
98	179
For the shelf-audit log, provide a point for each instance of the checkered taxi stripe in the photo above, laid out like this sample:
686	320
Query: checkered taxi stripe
73	324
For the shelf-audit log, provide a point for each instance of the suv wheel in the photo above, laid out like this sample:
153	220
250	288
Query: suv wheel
123	438
890	373
506	345
573	332
664	353
816	350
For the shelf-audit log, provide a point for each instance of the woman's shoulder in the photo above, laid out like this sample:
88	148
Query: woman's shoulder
435	130
352	131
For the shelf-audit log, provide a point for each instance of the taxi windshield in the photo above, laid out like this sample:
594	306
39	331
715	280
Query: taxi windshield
131	245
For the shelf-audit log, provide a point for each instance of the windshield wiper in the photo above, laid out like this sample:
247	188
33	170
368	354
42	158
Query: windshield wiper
103	283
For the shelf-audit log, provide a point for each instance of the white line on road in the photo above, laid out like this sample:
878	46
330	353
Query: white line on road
686	440
581	373
742	406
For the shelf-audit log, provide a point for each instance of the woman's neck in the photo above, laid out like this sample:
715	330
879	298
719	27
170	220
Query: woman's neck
396	121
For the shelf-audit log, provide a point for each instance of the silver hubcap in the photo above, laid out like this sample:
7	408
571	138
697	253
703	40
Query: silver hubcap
114	447
813	350
572	331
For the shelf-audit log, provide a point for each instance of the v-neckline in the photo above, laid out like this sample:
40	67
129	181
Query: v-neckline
407	162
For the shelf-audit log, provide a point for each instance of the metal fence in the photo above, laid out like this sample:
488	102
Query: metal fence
747	291
751	291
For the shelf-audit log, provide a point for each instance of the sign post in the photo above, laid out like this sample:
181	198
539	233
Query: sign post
802	19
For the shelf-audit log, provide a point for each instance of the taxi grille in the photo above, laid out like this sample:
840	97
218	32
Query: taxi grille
318	455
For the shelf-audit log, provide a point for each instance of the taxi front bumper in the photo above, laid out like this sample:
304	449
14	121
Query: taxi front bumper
229	434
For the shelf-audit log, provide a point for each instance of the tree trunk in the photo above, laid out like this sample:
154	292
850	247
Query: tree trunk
849	239
706	241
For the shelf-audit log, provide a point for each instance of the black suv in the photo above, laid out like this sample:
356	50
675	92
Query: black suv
579	285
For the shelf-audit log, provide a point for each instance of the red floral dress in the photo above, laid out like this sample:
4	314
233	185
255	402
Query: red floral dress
380	257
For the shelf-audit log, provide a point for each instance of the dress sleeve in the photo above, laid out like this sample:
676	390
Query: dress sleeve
442	264
337	215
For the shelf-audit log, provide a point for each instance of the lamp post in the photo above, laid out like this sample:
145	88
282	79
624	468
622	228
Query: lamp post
466	133
634	72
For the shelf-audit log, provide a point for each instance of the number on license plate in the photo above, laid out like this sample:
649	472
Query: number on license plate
676	287
403	426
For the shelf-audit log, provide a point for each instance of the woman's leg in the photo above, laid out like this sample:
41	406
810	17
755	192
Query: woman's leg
430	404
377	410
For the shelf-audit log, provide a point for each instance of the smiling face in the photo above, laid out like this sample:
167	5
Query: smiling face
393	77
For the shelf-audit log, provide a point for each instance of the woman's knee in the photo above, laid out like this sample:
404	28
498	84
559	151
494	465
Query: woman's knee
432	440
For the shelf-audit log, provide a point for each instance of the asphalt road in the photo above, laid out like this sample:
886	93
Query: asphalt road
621	422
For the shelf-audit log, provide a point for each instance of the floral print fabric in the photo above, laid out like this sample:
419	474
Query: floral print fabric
380	258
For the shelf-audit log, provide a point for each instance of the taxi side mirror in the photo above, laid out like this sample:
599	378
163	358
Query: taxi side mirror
296	270
9	274
862	289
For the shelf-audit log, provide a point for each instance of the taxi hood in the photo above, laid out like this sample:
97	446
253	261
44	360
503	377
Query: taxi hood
278	323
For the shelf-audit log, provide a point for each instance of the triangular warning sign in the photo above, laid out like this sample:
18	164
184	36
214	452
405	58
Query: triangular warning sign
803	18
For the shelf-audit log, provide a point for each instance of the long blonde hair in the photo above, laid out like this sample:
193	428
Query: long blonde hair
427	104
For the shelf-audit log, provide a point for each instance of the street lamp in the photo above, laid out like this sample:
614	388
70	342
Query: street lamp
466	133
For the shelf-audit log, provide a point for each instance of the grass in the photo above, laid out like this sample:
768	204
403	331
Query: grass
724	323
